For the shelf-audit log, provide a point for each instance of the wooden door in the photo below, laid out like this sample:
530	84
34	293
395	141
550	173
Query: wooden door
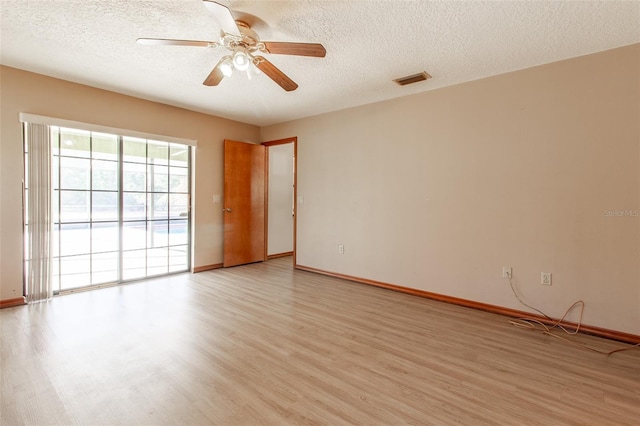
244	203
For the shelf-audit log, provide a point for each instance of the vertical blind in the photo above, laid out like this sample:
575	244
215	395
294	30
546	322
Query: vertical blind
38	213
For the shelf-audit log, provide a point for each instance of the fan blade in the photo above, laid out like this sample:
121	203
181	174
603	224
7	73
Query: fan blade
215	76
172	42
223	16
299	49
275	74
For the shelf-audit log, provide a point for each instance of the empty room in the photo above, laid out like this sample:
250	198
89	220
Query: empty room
360	212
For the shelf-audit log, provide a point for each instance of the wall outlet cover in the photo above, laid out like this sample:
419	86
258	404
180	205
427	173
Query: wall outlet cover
507	272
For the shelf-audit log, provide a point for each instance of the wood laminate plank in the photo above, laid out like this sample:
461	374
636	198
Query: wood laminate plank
266	344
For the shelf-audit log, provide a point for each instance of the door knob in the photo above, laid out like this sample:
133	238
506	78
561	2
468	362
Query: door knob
226	210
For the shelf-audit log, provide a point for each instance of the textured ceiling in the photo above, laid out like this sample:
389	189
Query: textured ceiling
368	43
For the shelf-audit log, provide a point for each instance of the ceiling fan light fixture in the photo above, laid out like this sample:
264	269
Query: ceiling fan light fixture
241	60
243	46
226	66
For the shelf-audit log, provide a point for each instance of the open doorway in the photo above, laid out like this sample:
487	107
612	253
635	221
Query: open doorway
281	197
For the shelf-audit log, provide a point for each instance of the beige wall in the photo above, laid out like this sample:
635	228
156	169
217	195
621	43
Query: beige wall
36	94
435	191
438	191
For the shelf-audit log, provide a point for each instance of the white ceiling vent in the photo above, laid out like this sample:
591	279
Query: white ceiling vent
410	79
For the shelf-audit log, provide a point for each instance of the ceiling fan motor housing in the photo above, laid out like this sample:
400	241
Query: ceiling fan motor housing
249	36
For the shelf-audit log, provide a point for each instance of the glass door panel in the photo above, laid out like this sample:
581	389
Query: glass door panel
120	208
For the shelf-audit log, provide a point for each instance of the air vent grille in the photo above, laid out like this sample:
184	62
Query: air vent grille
410	79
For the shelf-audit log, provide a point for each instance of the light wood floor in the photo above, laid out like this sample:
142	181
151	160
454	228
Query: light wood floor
263	344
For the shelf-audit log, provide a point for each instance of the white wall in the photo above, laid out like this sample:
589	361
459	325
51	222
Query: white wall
280	218
438	191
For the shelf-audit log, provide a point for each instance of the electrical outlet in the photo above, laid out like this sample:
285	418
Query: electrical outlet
340	249
545	278
507	272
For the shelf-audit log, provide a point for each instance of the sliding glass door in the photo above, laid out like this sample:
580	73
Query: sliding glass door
120	208
155	208
85	208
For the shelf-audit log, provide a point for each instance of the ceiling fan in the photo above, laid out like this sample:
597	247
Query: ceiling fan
243	45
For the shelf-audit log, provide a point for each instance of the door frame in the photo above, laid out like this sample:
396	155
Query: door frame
267	144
